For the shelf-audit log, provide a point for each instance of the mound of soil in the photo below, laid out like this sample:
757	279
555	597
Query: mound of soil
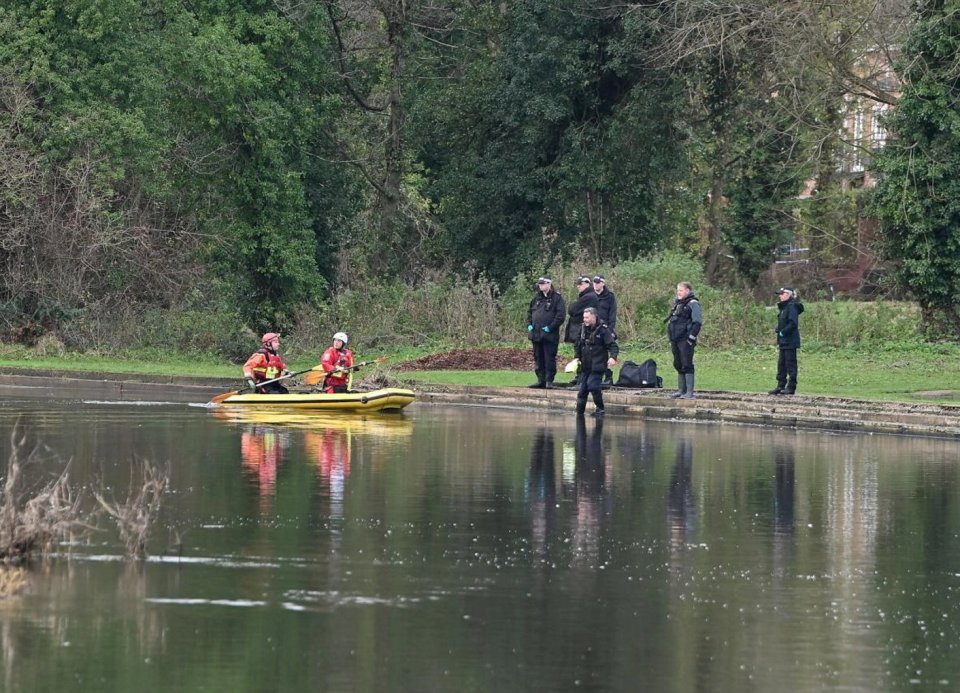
475	360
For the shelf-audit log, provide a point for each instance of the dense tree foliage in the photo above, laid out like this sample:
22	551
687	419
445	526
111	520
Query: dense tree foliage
254	157
918	199
167	147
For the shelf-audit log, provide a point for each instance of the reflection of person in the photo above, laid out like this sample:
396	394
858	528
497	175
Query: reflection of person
788	339
597	350
261	450
266	364
541	488
545	317
586	298
784	473
591	477
607	312
331	450
591	471
335	361
683	327
681	510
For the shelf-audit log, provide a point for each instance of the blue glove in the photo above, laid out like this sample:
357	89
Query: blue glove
529	328
546	328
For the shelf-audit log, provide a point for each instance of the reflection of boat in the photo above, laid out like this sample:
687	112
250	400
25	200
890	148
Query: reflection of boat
385	399
375	424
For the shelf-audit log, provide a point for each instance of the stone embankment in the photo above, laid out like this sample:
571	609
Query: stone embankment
793	411
797	411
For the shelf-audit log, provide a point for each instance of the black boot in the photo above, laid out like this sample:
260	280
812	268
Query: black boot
538	386
778	390
598	401
581	406
681	387
791	387
688	392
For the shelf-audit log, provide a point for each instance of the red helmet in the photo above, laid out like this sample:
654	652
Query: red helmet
269	337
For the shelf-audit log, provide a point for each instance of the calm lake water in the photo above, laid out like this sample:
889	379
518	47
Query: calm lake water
480	549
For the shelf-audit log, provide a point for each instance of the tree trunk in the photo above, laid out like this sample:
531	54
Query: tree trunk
394	12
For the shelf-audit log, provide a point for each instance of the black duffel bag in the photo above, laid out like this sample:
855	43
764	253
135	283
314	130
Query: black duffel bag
643	375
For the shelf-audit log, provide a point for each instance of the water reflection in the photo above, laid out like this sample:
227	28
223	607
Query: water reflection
541	490
784	480
330	451
681	507
267	435
784	519
531	551
261	451
591	491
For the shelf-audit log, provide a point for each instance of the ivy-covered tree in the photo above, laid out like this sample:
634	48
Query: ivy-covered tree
769	173
917	199
547	135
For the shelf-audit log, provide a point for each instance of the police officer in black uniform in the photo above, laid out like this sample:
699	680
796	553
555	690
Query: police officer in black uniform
586	298
544	319
683	328
597	350
607	312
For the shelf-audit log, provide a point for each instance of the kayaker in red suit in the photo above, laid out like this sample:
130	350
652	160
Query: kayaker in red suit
334	361
266	364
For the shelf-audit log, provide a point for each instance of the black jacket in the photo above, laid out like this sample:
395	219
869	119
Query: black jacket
788	324
595	345
546	311
607	308
586	299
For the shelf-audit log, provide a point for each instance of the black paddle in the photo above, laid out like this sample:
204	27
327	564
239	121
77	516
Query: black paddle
227	395
321	376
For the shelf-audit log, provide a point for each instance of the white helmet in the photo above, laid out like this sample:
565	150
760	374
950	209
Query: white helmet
342	336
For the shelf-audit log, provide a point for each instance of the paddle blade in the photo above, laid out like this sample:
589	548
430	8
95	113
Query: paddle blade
226	395
314	377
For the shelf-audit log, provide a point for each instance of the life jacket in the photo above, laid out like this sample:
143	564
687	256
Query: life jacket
269	370
332	359
680	321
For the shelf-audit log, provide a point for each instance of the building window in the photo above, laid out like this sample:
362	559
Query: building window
879	135
857	140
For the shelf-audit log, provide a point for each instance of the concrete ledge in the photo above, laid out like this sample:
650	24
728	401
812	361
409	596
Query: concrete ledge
825	413
121	387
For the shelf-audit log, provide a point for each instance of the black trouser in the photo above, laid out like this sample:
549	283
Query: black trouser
273	389
590	383
545	358
682	355
787	367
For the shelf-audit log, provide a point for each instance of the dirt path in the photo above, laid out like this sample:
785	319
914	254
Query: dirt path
475	360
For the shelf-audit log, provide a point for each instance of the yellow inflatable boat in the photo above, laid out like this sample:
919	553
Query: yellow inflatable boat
385	399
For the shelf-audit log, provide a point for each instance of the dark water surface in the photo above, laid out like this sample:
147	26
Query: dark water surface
477	549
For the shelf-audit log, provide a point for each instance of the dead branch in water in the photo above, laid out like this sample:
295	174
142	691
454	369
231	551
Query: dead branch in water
135	516
34	522
13	580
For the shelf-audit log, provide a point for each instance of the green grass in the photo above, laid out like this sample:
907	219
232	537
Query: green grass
893	372
882	374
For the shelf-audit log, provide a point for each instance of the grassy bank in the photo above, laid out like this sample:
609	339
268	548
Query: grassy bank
850	348
887	374
892	373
